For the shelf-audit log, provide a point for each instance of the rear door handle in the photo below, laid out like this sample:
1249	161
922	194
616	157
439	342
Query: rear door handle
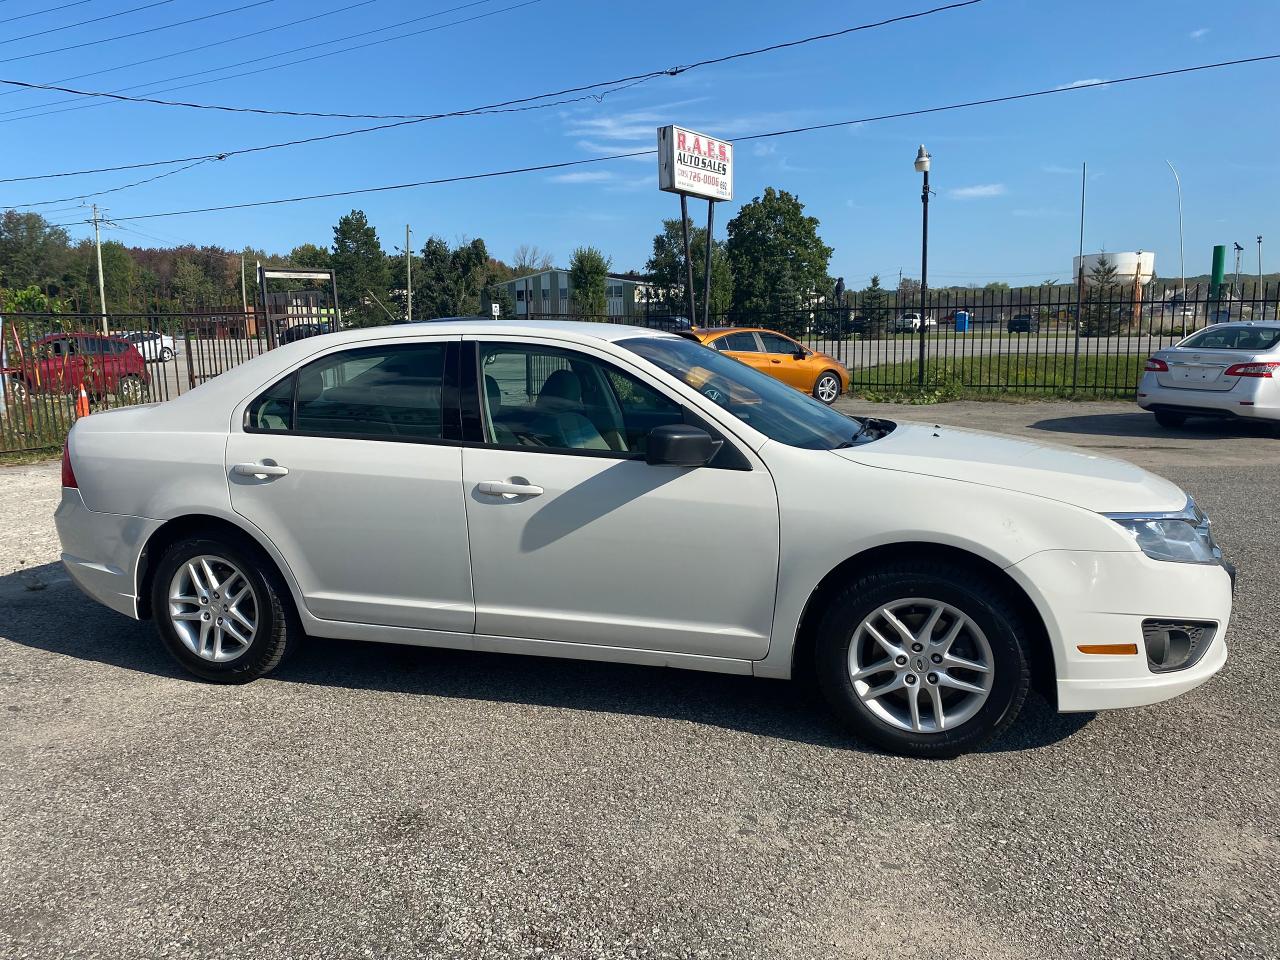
508	491
259	470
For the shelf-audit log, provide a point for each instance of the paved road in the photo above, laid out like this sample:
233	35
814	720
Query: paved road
391	802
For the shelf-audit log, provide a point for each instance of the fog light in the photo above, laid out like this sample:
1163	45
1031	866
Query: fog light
1176	644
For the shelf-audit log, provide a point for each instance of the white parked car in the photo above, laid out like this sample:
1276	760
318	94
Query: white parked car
1229	370
613	493
911	321
152	345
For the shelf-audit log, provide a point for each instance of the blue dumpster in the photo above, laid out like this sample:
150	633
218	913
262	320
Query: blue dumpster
962	321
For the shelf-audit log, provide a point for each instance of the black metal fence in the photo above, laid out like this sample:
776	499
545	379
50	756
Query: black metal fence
1036	341
1050	340
57	367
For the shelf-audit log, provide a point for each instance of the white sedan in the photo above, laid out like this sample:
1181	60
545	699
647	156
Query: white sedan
153	346
1227	370
573	490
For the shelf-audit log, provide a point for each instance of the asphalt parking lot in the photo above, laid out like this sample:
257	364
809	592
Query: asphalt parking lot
371	801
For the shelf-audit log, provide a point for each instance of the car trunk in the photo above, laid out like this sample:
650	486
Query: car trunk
1201	371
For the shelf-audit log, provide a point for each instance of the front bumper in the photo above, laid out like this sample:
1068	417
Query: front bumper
1088	598
1251	398
100	551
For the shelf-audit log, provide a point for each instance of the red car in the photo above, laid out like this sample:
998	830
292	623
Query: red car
60	362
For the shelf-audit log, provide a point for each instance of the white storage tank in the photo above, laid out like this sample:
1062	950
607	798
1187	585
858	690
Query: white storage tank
1141	263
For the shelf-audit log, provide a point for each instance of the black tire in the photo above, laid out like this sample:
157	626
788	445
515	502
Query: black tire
277	627
987	604
166	355
1170	420
831	379
131	388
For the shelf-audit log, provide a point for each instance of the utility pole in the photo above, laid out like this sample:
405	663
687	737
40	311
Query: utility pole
102	287
408	276
244	292
1259	266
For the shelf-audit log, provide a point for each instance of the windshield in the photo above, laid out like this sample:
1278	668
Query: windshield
1224	337
767	405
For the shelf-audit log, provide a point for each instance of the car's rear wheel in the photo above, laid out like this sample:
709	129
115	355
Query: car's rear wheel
166	355
827	388
924	659
221	610
1169	419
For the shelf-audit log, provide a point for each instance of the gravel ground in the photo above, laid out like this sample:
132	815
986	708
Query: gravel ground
371	801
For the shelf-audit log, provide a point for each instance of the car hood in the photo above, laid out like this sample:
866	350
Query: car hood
1101	484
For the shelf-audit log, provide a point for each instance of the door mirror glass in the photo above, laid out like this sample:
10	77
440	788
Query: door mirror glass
680	445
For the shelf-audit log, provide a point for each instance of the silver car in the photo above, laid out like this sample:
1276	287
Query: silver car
1224	370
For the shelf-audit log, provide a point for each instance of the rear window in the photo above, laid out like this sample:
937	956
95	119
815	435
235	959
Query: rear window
1254	339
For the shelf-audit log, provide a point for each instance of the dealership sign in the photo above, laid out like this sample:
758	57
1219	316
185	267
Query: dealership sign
694	164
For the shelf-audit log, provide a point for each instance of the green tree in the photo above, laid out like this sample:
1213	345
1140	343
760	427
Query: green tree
777	260
362	270
666	268
191	287
309	255
453	282
589	280
1102	317
32	251
875	308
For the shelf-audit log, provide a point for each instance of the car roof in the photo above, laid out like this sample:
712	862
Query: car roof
717	331
1265	324
608	332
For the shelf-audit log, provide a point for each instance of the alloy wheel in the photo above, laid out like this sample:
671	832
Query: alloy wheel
828	388
213	608
921	665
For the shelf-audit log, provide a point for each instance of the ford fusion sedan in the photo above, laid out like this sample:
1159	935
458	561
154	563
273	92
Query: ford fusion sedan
1227	370
780	357
612	493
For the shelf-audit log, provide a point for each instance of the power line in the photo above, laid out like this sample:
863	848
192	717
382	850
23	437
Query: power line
179	53
308	140
114	94
37	13
477	110
82	23
99	193
668	71
139	33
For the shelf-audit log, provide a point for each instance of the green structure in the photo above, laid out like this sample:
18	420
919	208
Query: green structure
1219	267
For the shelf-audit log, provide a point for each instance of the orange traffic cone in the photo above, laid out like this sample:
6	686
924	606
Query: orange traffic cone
82	403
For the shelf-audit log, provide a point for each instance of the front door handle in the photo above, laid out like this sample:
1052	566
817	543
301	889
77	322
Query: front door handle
259	470
506	490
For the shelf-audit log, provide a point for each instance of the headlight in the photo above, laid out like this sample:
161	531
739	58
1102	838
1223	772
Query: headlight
1182	537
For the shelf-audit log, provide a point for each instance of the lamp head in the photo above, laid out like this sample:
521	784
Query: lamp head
922	160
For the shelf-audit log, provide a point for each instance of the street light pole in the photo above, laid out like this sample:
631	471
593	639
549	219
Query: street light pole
922	165
1182	258
102	287
1259	266
408	276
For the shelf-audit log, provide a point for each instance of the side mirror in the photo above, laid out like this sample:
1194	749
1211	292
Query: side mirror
800	353
680	445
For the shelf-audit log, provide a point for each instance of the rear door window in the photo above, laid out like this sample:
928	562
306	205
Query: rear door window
738	343
394	392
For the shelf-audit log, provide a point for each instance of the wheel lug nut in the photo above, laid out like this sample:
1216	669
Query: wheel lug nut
936	658
917	647
911	679
204	599
933	678
219	620
206	616
901	661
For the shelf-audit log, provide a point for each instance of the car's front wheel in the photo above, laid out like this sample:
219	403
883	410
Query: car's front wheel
220	609
1170	420
166	355
924	659
827	388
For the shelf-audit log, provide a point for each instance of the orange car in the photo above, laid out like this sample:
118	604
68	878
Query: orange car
780	357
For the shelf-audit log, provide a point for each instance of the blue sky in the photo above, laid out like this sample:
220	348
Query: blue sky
1006	176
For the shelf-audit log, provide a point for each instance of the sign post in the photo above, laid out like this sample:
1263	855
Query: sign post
695	165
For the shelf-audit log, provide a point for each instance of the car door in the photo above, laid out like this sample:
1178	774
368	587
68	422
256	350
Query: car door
351	466
575	538
781	353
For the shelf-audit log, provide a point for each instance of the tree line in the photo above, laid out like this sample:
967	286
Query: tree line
773	259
